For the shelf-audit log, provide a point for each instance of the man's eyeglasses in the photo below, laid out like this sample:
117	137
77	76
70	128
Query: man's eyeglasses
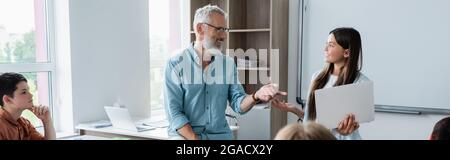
218	29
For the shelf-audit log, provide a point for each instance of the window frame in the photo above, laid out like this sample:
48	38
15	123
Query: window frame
183	26
49	66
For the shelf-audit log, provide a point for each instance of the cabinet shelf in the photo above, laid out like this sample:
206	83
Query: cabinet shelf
253	69
249	30
249	14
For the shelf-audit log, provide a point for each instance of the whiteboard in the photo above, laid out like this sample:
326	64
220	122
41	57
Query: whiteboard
406	47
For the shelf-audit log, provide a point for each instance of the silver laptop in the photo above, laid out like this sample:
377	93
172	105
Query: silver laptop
335	103
121	119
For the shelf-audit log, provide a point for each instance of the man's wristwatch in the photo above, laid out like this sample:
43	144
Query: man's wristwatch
300	120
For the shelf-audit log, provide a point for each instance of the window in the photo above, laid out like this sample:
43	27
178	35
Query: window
166	38
24	48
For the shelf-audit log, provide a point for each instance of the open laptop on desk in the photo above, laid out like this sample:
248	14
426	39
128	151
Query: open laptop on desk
120	118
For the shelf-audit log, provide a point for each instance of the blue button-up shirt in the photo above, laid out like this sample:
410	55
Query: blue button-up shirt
199	97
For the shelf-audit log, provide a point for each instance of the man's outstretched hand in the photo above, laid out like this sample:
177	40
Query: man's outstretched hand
268	92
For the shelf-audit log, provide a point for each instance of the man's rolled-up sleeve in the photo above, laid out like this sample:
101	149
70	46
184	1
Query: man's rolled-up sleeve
174	97
236	93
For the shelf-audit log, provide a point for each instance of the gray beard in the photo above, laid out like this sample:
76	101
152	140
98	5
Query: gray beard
209	44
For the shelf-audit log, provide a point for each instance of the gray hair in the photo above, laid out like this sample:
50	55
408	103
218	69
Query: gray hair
202	15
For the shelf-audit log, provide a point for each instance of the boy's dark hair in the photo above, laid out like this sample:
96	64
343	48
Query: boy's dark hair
8	84
441	130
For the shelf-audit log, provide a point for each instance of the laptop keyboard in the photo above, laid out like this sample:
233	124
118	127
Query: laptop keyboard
157	124
140	129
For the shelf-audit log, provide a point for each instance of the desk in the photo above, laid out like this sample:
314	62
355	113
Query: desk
111	132
84	137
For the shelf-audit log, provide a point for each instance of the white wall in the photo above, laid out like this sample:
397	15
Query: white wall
294	35
110	57
407	38
386	125
59	17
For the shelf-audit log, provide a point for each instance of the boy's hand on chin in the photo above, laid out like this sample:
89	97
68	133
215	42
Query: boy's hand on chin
42	112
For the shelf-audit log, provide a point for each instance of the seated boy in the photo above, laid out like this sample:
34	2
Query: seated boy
15	98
